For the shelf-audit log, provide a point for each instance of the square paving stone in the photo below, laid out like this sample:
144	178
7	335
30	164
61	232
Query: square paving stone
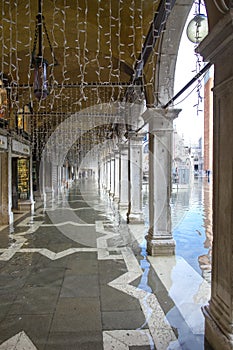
80	286
5	304
112	320
110	270
86	340
35	300
113	300
80	265
77	314
46	275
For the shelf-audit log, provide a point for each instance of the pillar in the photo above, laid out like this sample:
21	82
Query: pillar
108	173
123	181
217	48
159	238
135	214
112	174
117	176
103	173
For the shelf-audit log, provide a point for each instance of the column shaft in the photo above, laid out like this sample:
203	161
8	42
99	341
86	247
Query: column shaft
123	182
117	176
135	214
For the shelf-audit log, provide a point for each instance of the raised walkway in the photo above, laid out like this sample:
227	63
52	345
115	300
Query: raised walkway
75	276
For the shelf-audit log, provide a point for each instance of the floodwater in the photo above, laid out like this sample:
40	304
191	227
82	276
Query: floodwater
191	212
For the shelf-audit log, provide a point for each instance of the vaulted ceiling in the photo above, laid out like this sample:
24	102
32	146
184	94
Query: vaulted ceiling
95	43
104	48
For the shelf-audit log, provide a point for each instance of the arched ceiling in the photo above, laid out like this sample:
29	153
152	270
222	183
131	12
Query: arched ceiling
102	47
98	46
93	41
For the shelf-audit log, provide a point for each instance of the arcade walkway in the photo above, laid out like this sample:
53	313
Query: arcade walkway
74	276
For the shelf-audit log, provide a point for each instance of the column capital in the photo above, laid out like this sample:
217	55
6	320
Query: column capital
136	136
160	119
219	40
123	146
116	151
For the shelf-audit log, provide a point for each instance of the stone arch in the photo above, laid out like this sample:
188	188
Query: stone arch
169	46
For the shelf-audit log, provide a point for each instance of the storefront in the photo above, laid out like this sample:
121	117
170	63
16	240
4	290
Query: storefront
21	176
3	178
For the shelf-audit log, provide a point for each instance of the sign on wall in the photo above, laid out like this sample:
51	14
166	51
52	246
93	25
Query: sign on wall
20	147
3	142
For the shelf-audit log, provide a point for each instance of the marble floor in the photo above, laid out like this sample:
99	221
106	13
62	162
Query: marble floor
74	275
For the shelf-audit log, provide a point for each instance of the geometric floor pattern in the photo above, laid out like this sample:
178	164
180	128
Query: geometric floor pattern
79	269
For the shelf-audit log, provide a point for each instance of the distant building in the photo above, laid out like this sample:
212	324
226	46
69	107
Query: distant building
182	164
197	158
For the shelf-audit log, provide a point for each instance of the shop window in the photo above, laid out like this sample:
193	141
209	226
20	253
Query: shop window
3	100
23	178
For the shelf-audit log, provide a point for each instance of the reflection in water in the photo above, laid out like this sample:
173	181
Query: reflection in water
191	211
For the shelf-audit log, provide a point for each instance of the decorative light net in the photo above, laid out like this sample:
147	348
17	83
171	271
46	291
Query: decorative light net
97	45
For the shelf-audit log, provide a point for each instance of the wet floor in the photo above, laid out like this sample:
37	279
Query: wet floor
74	275
191	211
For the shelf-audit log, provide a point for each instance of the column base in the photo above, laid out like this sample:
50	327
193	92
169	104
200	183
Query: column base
160	246
214	335
123	205
135	218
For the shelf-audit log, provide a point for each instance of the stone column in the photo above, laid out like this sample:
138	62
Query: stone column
217	48
112	172
103	173
123	181
159	239
117	176
108	173
135	214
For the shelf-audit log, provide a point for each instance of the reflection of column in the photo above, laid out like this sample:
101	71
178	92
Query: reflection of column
116	177
217	48
135	189
159	239
123	182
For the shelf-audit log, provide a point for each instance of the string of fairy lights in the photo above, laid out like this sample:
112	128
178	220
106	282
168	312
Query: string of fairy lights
96	44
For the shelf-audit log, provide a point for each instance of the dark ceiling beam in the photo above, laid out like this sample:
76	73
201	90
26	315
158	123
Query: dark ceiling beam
157	26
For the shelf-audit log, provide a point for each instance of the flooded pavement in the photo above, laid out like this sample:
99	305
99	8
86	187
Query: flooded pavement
191	212
74	275
192	225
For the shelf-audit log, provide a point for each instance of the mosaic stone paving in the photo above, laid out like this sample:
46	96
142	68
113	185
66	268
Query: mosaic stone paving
75	276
